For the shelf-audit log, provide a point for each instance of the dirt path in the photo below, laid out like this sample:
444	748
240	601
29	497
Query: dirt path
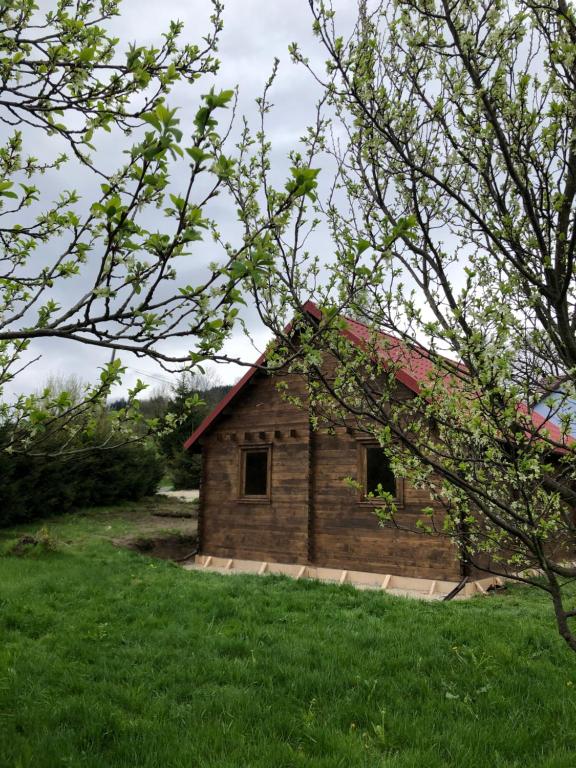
161	526
181	495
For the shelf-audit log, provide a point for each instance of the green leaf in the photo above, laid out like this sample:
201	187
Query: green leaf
215	100
5	189
197	154
303	182
152	120
86	55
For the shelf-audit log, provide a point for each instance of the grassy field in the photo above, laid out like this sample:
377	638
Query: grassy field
109	658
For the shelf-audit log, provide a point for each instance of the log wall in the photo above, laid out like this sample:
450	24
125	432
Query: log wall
311	515
274	530
347	533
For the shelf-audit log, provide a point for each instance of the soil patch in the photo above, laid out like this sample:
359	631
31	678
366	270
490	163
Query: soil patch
187	515
167	547
155	516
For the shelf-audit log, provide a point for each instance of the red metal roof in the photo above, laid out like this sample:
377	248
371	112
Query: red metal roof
415	366
415	363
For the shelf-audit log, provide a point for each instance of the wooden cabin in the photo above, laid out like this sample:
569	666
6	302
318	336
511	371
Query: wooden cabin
273	489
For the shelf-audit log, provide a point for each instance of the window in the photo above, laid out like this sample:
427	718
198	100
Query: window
374	471
255	473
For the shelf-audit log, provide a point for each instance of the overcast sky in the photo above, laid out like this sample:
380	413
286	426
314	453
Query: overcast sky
255	31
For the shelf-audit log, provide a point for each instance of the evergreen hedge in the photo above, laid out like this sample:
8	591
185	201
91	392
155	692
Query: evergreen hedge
34	487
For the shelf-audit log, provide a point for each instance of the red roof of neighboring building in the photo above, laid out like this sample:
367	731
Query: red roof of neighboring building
415	365
554	432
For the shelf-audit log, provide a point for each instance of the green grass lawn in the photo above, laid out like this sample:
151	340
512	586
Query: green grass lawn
109	658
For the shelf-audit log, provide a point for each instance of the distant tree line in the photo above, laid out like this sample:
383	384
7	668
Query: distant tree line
183	466
79	457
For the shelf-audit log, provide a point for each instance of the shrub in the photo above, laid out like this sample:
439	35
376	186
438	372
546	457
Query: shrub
185	470
35	487
37	544
125	473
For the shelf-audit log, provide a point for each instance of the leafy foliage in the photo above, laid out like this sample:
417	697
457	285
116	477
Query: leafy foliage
453	220
104	267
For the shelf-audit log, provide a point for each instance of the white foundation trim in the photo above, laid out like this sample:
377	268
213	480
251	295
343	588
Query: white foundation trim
425	589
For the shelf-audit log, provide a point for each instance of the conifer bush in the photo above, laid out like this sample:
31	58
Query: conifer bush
38	486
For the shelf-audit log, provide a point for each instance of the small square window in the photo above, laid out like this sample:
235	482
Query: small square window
255	473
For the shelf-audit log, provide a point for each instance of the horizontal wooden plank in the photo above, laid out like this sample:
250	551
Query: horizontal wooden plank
256	554
289	548
345	534
257	521
419	569
390	552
